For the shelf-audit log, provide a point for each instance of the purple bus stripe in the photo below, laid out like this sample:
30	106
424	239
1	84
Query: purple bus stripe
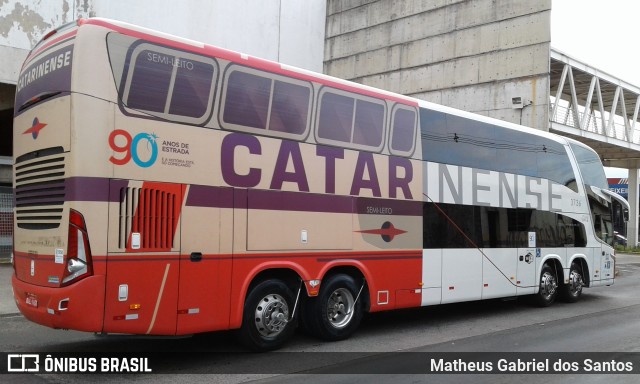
87	189
97	189
213	197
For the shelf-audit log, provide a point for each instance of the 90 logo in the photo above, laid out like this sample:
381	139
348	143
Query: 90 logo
132	146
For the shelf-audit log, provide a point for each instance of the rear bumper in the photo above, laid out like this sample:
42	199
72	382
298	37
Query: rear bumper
79	306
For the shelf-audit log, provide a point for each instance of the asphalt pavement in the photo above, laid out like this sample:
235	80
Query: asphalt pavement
7	305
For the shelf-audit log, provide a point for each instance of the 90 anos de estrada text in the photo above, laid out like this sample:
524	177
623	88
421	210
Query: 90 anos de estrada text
587	365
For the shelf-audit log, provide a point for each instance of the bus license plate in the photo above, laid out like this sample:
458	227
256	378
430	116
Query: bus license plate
32	301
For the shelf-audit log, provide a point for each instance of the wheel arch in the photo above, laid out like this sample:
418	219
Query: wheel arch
555	263
358	276
289	273
581	259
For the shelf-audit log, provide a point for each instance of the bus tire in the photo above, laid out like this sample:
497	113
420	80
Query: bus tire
571	291
548	287
267	321
334	314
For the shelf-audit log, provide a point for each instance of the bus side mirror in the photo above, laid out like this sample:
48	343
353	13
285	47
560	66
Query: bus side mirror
625	214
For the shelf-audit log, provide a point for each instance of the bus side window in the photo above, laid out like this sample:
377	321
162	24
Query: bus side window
368	124
247	100
356	121
403	131
191	90
149	84
336	114
264	103
289	108
168	84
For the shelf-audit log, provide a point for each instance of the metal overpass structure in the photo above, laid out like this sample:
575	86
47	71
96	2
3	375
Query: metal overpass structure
601	111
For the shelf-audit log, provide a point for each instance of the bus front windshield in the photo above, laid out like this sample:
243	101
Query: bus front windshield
595	181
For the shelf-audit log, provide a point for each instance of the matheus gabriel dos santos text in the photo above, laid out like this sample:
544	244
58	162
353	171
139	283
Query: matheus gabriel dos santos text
531	366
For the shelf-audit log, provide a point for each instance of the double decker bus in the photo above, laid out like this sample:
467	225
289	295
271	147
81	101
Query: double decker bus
168	187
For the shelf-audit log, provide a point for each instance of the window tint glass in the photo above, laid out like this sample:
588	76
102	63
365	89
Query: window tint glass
367	128
336	117
289	108
156	81
516	152
491	227
455	140
247	100
404	125
473	142
460	141
439	232
590	166
150	82
554	164
191	89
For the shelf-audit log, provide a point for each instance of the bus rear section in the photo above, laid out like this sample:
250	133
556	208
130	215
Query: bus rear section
55	282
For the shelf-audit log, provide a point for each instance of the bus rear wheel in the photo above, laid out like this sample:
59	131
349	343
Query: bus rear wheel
548	287
267	319
572	290
336	313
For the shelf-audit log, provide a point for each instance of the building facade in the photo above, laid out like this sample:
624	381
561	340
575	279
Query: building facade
485	56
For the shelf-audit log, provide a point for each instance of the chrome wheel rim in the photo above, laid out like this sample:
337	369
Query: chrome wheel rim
548	285
340	308
271	315
575	283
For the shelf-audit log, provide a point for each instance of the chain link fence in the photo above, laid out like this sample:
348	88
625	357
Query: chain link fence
6	222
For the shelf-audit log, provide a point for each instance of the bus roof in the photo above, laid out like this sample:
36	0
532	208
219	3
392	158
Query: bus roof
274	67
245	59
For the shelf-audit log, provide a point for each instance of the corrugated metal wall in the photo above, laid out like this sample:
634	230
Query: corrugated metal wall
6	222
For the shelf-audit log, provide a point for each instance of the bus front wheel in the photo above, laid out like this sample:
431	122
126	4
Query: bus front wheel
336	313
267	321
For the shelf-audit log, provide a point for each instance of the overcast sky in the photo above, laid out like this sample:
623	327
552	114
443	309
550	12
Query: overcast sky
601	33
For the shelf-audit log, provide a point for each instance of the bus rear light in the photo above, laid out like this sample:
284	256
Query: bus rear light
79	263
48	35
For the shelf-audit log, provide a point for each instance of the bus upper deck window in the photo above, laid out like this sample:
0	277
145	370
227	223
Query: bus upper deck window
158	81
357	119
403	130
368	123
289	108
247	100
191	89
336	117
149	83
265	103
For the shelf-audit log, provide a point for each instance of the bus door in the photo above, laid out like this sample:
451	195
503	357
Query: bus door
603	266
143	257
205	260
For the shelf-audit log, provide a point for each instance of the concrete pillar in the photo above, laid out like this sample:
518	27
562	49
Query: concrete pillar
632	225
